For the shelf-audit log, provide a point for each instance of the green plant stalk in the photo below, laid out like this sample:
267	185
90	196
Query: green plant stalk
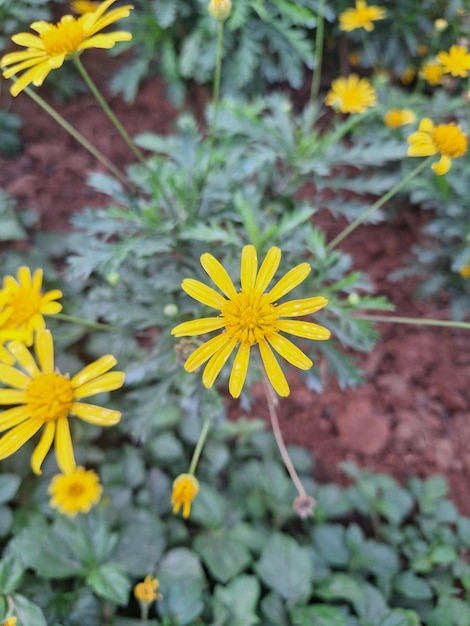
416	321
79	320
75	134
217	76
199	446
319	37
108	111
380	202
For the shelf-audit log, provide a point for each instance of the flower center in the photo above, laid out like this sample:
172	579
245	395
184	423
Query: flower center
450	140
49	397
76	490
24	304
64	37
250	317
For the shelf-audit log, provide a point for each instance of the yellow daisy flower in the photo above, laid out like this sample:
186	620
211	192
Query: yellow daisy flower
455	62
448	140
23	305
54	43
10	621
248	317
185	488
351	94
146	591
361	17
464	271
75	492
408	76
84	6
395	118
432	72
45	397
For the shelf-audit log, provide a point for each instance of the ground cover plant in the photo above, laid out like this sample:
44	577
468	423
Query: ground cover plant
197	280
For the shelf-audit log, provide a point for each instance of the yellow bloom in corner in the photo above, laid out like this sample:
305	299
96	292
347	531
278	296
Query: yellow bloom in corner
248	317
432	72
10	621
45	397
395	118
23	305
448	140
455	62
76	492
361	17
351	94
464	271
185	488
146	591
54	43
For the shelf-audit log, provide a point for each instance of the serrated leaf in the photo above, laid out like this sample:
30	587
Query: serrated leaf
9	484
223	554
27	613
236	603
110	582
318	615
11	572
411	586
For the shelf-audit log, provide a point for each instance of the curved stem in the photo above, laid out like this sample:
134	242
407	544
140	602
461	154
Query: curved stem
416	321
83	322
319	36
75	134
199	446
380	202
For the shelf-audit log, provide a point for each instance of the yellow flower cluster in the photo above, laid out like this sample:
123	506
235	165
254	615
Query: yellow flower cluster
446	140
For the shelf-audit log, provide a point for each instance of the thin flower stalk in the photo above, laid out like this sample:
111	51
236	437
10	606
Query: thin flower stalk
319	39
416	321
380	202
199	447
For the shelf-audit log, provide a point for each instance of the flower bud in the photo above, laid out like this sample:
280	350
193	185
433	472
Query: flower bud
170	310
440	25
219	9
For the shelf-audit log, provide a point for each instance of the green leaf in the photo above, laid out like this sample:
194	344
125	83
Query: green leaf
286	567
411	586
27	613
443	555
273	609
11	572
463	530
401	617
223	554
329	542
111	583
318	615
235	604
394	504
141	543
209	508
9	484
343	587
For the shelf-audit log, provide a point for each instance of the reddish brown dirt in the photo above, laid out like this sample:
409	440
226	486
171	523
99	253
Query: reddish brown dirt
411	415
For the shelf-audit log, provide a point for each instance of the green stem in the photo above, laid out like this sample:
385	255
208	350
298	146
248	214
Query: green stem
380	202
319	36
106	108
75	134
216	91
82	322
416	321
199	446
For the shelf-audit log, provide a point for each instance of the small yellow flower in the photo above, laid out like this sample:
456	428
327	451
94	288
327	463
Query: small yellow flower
185	488
408	75
440	25
10	621
422	49
45	397
76	492
219	9
395	118
84	6
447	140
54	43
248	317
361	17
146	591
432	72
464	271
455	62
351	94
22	305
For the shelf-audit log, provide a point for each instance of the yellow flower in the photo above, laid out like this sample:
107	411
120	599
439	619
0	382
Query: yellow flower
464	271
354	58
432	72
422	49
248	317
408	75
399	117
45	397
361	17
455	62
10	621
54	43
219	9
75	492
146	591
185	488
440	25
84	6
351	94
22	305
445	139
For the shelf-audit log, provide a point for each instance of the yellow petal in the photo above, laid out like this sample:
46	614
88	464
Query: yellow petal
289	351
5	356
198	327
12	377
289	281
51	308
105	41
18	57
97	415
426	125
306	306
304	329
63	447
12	417
18	436
106	382
216	363
95	369
28	40
12	396
24	277
249	267
268	268
43	447
239	370
204	352
202	293
442	166
44	348
37	279
219	275
273	370
24	357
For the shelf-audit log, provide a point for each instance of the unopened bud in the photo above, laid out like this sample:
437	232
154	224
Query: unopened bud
170	310
354	299
304	505
113	278
440	25
219	9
